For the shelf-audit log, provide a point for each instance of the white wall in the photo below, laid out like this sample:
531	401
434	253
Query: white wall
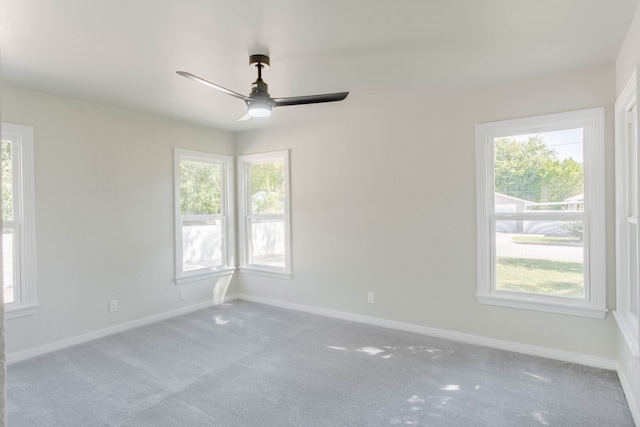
628	366
104	212
629	55
383	200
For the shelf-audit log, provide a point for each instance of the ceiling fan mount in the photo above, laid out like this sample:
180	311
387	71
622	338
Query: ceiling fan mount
259	59
259	102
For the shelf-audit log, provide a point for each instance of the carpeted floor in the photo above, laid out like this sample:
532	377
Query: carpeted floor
246	364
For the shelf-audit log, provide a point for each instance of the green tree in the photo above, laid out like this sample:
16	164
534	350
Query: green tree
200	188
562	179
267	188
531	170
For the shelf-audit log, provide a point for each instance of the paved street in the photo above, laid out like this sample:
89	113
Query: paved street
506	247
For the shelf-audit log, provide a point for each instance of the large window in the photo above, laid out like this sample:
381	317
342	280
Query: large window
18	221
540	213
204	215
263	185
627	195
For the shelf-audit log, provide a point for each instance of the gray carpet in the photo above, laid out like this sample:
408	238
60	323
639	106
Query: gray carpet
246	364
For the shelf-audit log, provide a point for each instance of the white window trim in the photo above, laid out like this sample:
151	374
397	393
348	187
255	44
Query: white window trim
628	323
243	203
227	214
594	303
27	302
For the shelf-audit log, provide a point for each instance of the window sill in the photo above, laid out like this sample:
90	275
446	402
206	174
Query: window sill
20	311
203	275
626	324
266	273
541	303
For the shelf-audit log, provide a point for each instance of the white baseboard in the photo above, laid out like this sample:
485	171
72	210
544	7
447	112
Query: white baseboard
59	345
631	395
407	327
531	350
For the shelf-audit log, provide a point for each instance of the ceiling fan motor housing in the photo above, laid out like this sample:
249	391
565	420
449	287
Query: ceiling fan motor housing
259	89
260	97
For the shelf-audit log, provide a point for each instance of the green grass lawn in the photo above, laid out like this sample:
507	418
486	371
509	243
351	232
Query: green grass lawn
540	276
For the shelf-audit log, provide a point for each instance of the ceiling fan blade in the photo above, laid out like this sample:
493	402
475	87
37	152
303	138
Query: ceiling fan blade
213	85
310	99
246	116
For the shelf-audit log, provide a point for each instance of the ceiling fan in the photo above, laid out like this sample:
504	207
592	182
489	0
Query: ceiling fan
259	102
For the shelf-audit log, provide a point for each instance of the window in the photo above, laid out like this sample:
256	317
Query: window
18	221
264	213
627	195
540	213
203	214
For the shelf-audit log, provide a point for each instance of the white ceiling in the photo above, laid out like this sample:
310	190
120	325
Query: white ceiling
126	53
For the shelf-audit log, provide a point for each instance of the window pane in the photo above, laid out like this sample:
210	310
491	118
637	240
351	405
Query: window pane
201	244
632	229
200	188
267	188
632	167
8	265
539	172
7	181
267	242
540	257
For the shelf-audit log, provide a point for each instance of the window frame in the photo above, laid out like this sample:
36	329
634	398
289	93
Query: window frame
24	222
594	302
627	120
226	215
244	162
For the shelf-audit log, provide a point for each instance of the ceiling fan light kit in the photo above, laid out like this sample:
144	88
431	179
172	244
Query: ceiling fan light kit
259	102
259	110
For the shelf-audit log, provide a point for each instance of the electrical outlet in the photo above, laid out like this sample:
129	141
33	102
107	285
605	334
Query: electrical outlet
183	295
113	306
371	298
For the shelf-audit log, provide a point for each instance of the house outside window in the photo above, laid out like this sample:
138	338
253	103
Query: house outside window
204	229
18	221
264	229
540	213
